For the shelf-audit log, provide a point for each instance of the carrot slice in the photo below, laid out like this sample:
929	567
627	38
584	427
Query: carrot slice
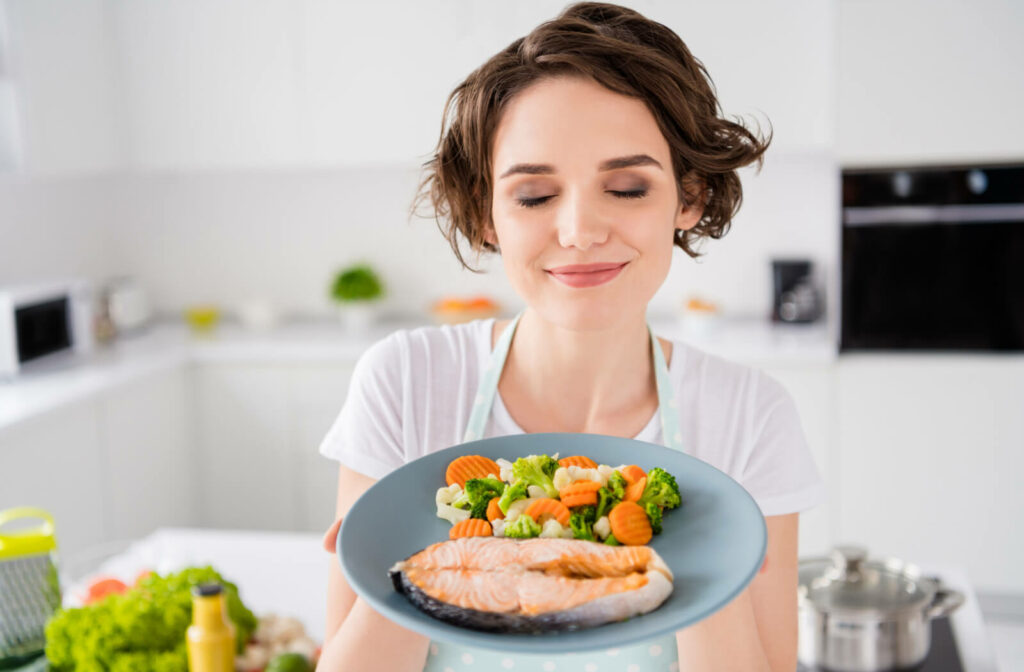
466	467
632	473
579	493
542	509
630	524
635	490
493	510
471	527
577	461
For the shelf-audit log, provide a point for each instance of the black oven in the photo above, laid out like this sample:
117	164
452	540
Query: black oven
933	259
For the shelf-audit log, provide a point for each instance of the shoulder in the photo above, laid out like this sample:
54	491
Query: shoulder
720	377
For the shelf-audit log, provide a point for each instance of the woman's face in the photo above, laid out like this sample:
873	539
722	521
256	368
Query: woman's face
582	176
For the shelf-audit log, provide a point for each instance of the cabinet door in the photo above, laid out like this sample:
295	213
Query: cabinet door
56	462
813	391
210	84
930	461
149	452
248	479
316	395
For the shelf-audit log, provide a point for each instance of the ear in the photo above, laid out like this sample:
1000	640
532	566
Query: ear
490	236
692	209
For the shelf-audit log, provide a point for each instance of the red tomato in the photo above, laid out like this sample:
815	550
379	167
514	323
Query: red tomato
103	586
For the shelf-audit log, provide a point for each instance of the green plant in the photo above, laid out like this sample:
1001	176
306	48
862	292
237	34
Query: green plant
356	283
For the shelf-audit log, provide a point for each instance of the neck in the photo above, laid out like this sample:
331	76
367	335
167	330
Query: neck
583	377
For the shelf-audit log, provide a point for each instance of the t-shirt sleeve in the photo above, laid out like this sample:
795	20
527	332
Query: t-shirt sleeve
367	434
780	473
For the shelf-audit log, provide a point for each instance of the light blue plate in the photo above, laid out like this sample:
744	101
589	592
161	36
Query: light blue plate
714	543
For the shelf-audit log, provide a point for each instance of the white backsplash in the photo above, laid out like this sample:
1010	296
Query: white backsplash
227	237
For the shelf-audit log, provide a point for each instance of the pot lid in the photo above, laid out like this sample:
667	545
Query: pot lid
847	581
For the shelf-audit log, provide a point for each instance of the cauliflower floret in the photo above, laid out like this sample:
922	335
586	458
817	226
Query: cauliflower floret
561	478
506	469
552	529
517	507
606	472
498	527
536	491
447	494
444	498
567	475
602	527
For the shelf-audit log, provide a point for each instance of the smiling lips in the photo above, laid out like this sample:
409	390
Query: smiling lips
586	275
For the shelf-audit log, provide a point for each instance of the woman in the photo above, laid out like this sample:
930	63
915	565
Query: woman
583	154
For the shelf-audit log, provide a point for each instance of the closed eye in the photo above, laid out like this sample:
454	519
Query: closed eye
540	200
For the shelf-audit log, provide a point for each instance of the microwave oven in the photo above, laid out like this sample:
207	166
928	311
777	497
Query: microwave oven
41	321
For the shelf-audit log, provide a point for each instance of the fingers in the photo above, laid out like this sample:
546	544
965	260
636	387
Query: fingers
764	566
330	541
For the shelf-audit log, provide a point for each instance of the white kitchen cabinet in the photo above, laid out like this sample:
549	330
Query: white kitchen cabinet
56	462
812	387
62	87
922	81
929	461
259	427
150	454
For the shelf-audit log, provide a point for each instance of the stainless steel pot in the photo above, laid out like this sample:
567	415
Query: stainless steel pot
858	615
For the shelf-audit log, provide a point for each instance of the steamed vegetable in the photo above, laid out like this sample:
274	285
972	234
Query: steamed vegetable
654	514
516	491
524	527
472	527
581	522
466	467
477	495
537	470
543	509
661	489
630	525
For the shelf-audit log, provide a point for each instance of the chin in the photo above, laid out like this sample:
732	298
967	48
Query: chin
588	314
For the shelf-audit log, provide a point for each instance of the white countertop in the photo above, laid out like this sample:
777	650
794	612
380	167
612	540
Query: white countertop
62	379
286	574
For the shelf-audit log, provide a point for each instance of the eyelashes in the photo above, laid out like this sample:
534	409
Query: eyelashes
540	200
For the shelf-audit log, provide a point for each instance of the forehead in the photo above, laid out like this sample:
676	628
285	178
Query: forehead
574	123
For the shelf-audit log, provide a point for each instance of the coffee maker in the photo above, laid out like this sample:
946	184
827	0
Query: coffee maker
796	300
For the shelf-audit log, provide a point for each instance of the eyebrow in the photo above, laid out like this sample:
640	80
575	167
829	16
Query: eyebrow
609	164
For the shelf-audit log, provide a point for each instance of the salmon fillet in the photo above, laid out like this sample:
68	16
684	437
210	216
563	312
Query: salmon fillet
532	585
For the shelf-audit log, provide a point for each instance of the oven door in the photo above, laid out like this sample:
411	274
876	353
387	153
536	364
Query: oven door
933	278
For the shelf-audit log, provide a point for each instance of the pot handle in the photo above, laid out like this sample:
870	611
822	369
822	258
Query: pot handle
945	602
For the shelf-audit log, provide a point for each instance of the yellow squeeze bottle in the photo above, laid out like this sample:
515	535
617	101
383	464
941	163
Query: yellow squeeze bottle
210	639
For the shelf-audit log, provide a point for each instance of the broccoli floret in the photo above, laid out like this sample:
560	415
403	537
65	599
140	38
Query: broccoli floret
479	509
582	523
654	515
605	501
513	492
478	492
537	470
523	527
612	541
617	485
661	489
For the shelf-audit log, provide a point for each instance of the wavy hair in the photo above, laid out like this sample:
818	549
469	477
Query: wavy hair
627	53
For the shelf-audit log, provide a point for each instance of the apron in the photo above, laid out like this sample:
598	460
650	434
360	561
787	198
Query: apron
656	655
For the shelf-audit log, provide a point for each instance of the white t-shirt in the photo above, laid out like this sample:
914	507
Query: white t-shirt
412	392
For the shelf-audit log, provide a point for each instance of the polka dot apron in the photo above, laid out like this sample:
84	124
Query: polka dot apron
656	655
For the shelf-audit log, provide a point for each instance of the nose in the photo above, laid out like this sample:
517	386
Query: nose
580	222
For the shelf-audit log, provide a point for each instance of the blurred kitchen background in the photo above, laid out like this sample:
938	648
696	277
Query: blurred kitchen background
182	182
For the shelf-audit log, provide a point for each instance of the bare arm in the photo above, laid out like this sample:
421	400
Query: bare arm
757	631
355	633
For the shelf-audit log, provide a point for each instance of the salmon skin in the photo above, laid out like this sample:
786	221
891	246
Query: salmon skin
496	584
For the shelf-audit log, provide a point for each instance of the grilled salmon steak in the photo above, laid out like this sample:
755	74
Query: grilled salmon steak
498	584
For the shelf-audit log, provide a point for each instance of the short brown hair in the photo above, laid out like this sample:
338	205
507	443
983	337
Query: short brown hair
628	54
